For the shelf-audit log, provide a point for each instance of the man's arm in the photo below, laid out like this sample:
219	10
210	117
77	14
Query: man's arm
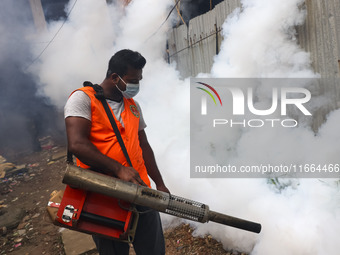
150	162
78	132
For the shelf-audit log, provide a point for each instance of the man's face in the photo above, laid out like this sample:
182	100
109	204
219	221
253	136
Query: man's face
131	76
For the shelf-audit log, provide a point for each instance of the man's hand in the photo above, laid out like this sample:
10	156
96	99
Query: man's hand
131	175
163	188
78	131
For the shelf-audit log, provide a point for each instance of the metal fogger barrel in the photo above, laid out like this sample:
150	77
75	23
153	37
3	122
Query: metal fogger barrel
136	194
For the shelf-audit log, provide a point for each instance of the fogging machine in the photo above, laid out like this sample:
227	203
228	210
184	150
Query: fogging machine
99	204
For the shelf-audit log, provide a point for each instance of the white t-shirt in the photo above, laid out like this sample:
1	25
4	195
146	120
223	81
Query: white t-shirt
79	105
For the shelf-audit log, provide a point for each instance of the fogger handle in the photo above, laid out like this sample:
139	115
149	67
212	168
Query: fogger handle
234	222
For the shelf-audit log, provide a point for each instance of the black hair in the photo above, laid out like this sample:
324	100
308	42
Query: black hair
122	60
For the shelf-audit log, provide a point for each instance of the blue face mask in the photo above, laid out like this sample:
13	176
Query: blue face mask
131	90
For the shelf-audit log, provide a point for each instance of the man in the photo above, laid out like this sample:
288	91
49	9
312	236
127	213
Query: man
92	140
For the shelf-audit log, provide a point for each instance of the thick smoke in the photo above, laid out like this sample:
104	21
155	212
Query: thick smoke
260	42
298	216
26	115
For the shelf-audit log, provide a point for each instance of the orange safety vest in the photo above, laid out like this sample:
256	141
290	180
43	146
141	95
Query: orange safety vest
104	138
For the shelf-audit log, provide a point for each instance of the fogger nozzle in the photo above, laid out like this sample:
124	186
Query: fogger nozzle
160	201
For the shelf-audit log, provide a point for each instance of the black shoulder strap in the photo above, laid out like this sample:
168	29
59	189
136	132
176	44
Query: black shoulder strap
100	96
69	159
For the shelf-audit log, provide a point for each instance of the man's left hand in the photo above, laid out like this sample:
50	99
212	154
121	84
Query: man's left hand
162	188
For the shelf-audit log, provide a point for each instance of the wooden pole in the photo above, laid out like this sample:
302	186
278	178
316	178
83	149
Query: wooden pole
38	15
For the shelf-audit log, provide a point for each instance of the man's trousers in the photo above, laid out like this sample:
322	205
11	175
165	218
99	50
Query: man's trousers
149	239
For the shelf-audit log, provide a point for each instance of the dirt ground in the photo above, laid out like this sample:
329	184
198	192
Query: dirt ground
27	192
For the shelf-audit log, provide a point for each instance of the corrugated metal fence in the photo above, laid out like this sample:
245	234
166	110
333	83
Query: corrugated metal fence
320	35
193	48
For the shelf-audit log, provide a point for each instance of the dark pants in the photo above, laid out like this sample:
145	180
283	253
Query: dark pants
149	239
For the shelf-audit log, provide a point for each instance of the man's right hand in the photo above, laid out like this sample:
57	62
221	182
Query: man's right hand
131	175
78	131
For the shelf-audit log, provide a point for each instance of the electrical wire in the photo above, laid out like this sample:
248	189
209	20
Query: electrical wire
55	35
173	8
192	44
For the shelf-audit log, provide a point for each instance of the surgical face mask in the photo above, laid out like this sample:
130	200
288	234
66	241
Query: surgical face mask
131	90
